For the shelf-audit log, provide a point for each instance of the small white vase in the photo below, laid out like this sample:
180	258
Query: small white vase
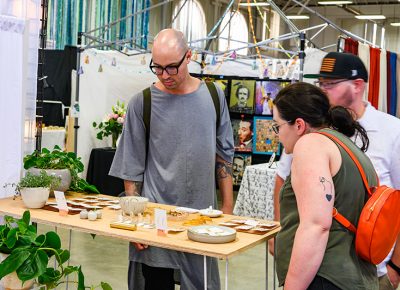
11	281
35	197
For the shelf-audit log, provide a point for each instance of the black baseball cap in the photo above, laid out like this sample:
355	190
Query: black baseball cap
340	65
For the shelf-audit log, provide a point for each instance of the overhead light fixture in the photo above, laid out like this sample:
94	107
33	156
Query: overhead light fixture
259	4
333	2
296	17
395	23
371	17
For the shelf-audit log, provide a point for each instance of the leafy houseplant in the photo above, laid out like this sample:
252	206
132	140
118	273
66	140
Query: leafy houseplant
58	159
112	123
29	255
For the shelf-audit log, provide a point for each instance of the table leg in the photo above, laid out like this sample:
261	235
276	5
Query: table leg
266	266
274	265
205	272
226	273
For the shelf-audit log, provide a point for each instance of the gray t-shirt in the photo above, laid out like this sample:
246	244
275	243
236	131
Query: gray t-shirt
180	169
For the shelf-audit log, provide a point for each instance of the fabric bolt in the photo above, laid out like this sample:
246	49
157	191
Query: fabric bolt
374	77
382	98
351	46
393	84
340	264
363	53
398	82
180	164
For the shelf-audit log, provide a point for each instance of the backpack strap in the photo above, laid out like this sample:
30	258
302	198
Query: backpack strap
214	95
147	115
335	214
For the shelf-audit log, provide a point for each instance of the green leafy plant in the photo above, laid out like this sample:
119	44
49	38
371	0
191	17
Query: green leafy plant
58	159
29	255
112	123
41	180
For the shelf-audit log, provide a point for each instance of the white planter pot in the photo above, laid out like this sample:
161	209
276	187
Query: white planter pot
11	281
35	197
64	174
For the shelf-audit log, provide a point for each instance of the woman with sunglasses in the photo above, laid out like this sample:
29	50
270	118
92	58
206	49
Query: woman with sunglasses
313	251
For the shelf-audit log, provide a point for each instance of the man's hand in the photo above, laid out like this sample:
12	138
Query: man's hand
393	276
139	247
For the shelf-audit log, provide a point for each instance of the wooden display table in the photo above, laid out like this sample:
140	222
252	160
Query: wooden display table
173	241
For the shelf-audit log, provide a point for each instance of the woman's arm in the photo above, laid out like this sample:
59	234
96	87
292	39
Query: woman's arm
315	194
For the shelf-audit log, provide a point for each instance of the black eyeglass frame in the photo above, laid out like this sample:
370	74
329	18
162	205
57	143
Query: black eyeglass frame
275	126
168	67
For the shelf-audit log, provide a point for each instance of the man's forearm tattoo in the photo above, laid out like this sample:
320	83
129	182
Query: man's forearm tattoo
223	169
327	187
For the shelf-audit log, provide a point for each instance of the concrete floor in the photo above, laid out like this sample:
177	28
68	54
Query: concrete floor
106	259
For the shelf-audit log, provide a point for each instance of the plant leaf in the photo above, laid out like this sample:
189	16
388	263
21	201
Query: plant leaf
26	217
52	240
105	286
11	238
63	256
13	262
34	266
81	279
45	150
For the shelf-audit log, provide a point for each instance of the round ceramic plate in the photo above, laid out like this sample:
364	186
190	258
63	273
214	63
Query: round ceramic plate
210	213
211	234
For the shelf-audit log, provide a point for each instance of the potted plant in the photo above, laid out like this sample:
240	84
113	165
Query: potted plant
112	123
35	189
59	162
29	255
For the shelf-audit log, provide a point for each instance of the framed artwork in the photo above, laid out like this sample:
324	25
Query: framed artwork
242	96
265	141
240	161
266	92
242	135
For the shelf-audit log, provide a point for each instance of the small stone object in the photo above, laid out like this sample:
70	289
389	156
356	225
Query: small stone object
99	214
92	215
83	214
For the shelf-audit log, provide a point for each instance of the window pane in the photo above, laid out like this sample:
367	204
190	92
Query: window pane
236	31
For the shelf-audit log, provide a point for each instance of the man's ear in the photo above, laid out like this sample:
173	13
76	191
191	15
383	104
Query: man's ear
189	55
359	85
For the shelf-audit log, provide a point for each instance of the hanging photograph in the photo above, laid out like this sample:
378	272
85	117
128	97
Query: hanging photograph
266	92
243	135
240	161
242	96
265	141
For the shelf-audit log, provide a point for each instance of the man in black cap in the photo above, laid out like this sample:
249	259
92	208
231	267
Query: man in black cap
343	77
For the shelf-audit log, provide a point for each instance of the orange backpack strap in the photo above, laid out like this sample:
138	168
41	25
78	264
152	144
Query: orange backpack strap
353	157
343	221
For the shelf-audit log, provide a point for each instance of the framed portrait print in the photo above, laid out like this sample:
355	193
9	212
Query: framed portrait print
242	134
242	96
240	161
266	92
265	141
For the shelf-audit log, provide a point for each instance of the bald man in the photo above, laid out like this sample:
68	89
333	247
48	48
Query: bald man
187	153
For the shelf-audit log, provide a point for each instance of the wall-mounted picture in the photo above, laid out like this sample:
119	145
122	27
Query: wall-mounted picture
243	135
240	161
242	96
266	92
265	141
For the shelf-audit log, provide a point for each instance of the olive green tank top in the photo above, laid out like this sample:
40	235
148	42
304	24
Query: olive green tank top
340	264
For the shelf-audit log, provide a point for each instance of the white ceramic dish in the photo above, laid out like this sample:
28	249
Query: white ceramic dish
186	209
210	213
211	234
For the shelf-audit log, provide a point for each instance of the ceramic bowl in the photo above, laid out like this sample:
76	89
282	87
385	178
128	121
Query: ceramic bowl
133	204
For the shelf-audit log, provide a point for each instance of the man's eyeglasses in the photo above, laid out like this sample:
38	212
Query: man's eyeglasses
170	69
328	85
275	127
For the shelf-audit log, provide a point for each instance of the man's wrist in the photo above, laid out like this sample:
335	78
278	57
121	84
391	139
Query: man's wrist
394	267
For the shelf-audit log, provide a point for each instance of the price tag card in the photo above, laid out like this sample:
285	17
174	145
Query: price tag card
160	217
61	202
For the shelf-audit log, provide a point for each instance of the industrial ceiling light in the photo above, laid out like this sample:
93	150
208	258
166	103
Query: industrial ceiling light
297	17
371	17
395	23
333	2
259	4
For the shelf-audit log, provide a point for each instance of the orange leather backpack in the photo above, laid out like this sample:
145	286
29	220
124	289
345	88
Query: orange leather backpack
379	223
